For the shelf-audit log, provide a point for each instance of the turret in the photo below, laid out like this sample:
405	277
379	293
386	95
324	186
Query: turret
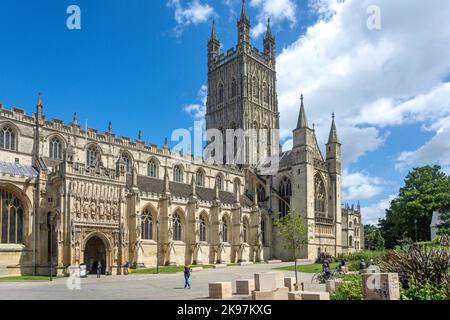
269	43
213	47
334	150
303	134
243	27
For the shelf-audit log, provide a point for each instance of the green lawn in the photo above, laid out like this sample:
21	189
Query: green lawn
166	269
308	268
27	278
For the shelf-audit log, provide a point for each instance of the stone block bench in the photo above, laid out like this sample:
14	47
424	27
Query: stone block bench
220	290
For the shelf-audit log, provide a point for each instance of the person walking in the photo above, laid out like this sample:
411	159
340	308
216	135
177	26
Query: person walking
99	269
187	275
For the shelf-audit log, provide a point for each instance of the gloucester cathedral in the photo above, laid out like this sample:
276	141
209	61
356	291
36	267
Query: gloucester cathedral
71	195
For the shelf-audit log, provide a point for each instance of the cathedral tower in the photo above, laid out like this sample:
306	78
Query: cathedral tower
242	91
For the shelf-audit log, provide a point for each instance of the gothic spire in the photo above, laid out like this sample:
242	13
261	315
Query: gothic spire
269	29
213	32
302	121
39	100
39	107
243	12
333	138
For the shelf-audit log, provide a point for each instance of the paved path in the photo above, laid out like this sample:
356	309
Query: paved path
138	286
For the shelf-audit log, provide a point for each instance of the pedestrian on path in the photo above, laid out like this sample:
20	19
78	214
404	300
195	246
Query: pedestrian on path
187	275
99	269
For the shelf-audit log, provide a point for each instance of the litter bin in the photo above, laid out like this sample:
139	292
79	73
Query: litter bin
83	271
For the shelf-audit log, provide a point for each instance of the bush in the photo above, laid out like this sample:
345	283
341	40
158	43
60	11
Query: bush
350	290
424	291
419	266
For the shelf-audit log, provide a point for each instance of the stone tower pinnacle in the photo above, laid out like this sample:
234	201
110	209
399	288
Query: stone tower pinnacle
302	121
333	137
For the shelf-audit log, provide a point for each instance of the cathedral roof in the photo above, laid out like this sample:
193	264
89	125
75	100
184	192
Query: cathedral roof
184	190
17	169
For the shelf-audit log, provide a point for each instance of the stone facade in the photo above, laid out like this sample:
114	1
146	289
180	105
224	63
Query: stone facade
73	195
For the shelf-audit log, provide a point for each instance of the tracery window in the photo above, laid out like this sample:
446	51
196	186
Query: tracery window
319	194
233	88
55	149
285	192
92	153
178	173
177	236
147	225
225	231
152	169
11	218
202	229
8	138
200	176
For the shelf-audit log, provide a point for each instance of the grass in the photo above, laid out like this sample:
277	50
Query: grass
308	268
27	278
166	269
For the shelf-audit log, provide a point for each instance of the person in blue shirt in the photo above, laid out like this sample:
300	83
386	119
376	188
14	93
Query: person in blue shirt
187	275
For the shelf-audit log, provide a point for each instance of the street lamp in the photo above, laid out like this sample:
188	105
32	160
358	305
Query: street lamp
157	246
51	246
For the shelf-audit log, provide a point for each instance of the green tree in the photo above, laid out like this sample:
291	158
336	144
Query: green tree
372	238
292	230
426	189
444	227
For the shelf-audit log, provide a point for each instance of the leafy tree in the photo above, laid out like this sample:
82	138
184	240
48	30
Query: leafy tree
292	230
444	227
426	189
372	238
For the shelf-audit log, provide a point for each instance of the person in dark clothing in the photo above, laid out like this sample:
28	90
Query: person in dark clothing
326	268
362	265
187	275
99	269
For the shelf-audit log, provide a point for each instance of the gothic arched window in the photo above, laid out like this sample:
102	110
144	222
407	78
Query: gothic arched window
178	174
177	236
92	153
126	161
220	93
285	193
225	231
11	218
55	149
261	193
147	225
237	185
202	229
319	194
8	138
200	176
263	231
219	181
350	241
255	88
265	93
152	169
233	88
244	233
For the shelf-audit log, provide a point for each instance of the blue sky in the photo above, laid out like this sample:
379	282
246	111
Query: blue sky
142	64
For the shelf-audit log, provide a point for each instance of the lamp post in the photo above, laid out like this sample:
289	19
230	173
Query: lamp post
157	246
51	247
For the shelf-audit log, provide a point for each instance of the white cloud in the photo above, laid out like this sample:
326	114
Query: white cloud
360	186
278	11
370	78
371	214
193	13
195	110
435	151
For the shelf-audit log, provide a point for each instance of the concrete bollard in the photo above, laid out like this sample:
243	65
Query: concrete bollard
220	290
245	286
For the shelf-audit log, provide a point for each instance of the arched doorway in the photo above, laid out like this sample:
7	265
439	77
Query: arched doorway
94	252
